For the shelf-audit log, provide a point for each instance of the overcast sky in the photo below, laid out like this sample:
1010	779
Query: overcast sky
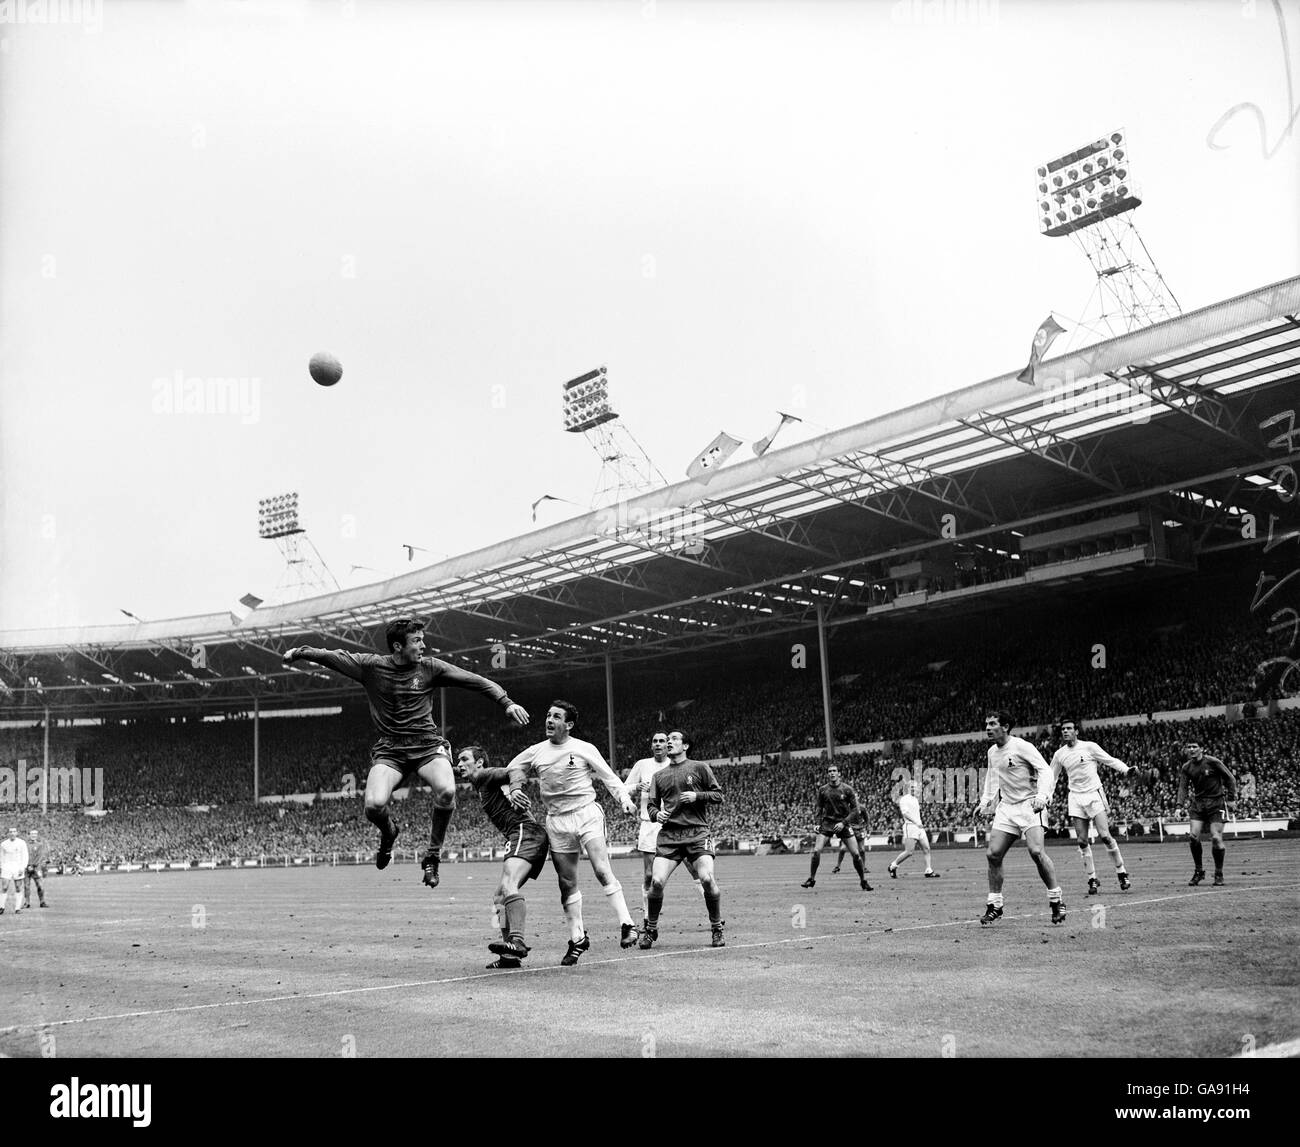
739	208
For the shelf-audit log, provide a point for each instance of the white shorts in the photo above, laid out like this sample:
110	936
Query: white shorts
647	839
1016	818
1088	805
569	831
916	833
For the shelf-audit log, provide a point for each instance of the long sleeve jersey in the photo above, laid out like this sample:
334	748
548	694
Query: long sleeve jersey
1080	762
401	696
564	774
1018	771
1208	780
686	821
836	803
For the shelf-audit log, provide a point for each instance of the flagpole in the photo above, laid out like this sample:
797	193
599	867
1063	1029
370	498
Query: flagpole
826	682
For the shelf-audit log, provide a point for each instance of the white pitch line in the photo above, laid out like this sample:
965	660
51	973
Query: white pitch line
553	968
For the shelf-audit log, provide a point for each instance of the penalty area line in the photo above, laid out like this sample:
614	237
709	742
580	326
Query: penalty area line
556	968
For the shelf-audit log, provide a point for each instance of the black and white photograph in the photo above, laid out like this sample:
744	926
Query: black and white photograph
650	529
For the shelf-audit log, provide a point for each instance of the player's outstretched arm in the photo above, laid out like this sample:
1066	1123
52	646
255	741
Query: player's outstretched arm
339	660
444	673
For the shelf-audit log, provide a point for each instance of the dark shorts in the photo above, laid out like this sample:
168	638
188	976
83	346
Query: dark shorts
529	842
685	849
408	755
828	831
1208	813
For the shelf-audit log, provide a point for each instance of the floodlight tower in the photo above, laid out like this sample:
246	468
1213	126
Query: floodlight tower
1089	195
625	467
305	571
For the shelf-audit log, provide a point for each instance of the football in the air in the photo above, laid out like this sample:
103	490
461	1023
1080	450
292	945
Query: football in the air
325	368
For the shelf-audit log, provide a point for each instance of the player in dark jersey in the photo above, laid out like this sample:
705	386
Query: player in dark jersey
526	851
1213	791
400	688
679	800
837	804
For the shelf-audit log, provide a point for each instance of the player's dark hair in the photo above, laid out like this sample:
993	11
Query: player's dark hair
658	733
570	710
1078	725
686	739
1000	716
399	629
479	753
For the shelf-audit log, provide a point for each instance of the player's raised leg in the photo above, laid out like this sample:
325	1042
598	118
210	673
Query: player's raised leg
437	773
383	779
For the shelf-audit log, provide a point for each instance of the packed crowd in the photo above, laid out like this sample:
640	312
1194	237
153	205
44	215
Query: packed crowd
769	800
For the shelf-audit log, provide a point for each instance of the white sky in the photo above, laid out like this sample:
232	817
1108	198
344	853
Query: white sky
720	201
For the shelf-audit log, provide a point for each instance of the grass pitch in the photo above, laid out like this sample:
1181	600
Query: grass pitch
343	961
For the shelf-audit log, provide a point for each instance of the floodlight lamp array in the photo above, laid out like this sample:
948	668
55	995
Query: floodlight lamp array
1085	186
277	517
586	402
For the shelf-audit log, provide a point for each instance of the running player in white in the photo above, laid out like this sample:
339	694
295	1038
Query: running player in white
564	767
637	786
913	831
1018	773
1088	803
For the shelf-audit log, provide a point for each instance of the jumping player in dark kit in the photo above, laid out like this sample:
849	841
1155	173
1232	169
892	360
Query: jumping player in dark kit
526	851
679	800
1213	791
837	804
400	688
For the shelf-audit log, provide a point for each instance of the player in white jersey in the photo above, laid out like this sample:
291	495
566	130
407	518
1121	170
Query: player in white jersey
647	841
913	831
1088	803
1023	781
13	870
564	767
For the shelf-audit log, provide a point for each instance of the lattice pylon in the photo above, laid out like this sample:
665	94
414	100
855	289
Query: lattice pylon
305	572
1129	292
625	468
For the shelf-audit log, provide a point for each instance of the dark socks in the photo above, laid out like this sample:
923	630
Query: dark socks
714	904
1196	855
857	865
515	909
816	860
656	906
1218	854
438	828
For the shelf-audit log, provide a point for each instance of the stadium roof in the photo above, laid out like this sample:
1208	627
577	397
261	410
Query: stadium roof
1164	420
